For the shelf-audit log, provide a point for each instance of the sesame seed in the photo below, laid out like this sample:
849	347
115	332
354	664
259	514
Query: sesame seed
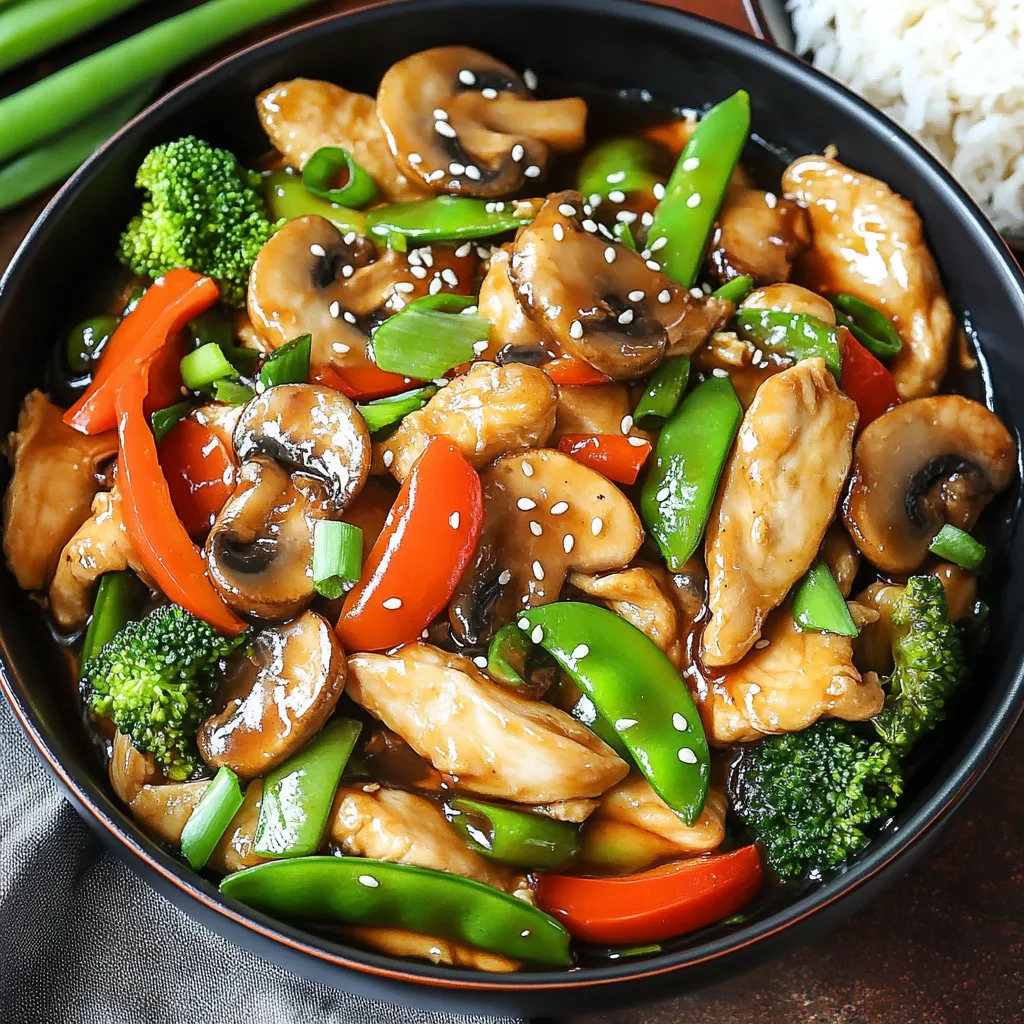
653	265
393	604
523	623
538	634
456	168
464	249
558	231
609	254
659	191
691	163
480	661
335	309
533	171
636	442
535	528
696	292
479	347
404	286
625	216
589	225
693	201
559	507
368	880
347	270
576	329
415	158
469	311
617	196
505	577
349	238
419	273
489	93
647	219
664	296
435	175
425	634
338	347
518	152
466	77
761	644
627	424
473	172
622	724
604	231
445	129
389	457
568	543
538	571
662	494
636	295
349	317
426	255
596	525
626	316
526	504
616	177
453	520
659	243
770	200
595	199
317	250
489	207
579	651
449	277
530	78
441	114
679	723
499	207
527	469
687	756
567	210
435	285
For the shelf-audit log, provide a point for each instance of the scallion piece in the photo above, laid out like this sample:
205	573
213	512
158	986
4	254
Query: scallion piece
396	241
429	337
289	364
210	817
337	557
286	199
958	547
735	290
205	365
233	392
819	605
624	235
119	599
328	165
870	326
164	419
445	219
382	412
508	649
662	393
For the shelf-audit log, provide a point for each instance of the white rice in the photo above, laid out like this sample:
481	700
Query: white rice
950	71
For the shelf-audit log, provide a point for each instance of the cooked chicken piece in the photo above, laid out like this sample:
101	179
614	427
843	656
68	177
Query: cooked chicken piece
633	828
747	365
777	497
396	942
485	413
49	494
163	810
868	241
514	336
235	849
130	770
303	115
567	810
840	554
392	825
491	740
392	762
595	409
101	545
790	680
637	596
790	298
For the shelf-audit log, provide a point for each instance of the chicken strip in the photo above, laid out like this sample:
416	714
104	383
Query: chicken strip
401	943
868	241
776	500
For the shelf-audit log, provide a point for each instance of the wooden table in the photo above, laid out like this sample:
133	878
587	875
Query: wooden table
944	945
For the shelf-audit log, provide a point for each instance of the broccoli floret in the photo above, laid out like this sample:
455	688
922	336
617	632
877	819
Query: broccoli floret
155	679
929	664
809	796
201	214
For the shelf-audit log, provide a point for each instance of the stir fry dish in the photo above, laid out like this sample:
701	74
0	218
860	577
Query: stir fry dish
488	539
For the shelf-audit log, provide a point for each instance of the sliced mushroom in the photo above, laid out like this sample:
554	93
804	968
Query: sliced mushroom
545	515
236	849
278	692
868	241
129	770
514	337
488	738
576	811
400	943
599	300
777	497
304	115
595	409
459	121
925	463
50	491
163	810
485	413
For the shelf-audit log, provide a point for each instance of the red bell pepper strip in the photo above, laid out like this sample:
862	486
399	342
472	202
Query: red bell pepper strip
618	458
654	905
166	307
200	474
362	383
866	381
428	539
570	370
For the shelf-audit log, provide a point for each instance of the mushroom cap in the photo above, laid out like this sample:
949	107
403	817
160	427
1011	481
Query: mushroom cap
260	548
310	429
487	145
577	285
545	515
927	462
277	694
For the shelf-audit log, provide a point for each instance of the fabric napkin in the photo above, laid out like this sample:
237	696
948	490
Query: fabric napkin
83	940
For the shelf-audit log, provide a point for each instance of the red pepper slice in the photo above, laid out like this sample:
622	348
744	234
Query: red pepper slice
428	539
653	905
167	306
572	371
866	381
618	458
362	383
199	471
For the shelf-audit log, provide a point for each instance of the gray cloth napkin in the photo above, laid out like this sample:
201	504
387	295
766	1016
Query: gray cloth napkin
84	941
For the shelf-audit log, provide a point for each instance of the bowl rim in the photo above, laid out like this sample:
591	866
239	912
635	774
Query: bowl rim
878	857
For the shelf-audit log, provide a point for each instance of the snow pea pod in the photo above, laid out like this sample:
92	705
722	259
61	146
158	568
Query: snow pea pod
662	393
636	689
619	165
353	890
870	326
326	166
287	198
796	335
819	605
444	219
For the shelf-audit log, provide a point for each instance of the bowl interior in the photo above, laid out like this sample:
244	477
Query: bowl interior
610	45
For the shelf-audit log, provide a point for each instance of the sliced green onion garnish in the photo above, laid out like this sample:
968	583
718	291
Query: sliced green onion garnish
506	655
396	241
210	817
735	290
445	219
624	235
820	606
958	547
287	198
337	557
619	165
662	393
164	419
429	337
119	599
382	412
205	365
870	326
289	364
211	327
233	392
331	163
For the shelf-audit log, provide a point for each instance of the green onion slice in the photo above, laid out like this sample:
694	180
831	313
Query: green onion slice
328	165
624	235
958	547
735	290
819	605
163	420
445	219
870	326
507	654
205	365
289	364
286	199
120	597
337	557
383	412
233	392
210	818
663	392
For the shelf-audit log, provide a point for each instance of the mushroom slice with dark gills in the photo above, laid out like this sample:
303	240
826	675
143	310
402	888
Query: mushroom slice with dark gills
601	301
461	122
545	515
278	692
514	337
923	464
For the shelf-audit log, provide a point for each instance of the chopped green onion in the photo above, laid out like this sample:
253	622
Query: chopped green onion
205	365
233	392
210	818
797	336
211	327
958	547
119	598
396	241
624	235
337	557
382	412
662	393
735	290
870	326
507	654
429	336
286	199
87	341
619	165
820	606
445	219
289	364
324	168
163	420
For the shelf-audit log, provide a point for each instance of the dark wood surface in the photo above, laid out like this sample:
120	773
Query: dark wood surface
945	944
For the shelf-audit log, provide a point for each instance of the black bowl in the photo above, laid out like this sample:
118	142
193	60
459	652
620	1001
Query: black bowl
610	44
